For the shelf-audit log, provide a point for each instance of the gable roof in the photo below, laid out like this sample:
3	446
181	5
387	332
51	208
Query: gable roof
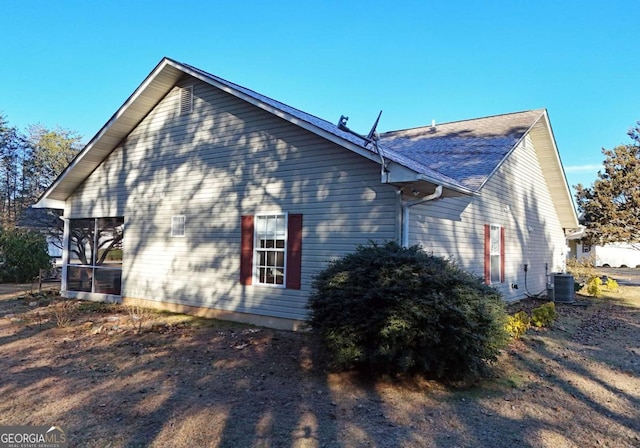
470	151
467	151
414	149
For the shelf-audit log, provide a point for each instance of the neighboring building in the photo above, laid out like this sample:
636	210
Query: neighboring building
47	222
203	196
614	255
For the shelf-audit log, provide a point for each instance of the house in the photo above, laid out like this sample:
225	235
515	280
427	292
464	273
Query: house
48	223
202	196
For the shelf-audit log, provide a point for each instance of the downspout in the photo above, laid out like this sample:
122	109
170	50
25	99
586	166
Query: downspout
405	213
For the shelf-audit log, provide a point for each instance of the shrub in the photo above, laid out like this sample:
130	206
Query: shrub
518	324
388	309
24	253
594	286
544	315
611	284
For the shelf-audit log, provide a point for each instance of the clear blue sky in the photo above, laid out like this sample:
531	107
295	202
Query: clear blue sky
73	63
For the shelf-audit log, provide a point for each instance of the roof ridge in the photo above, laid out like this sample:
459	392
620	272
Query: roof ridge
541	110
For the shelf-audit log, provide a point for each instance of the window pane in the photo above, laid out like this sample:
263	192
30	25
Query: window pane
79	278
495	268
279	276
269	278
260	225
108	281
271	259
495	240
81	241
109	238
280	244
280	259
280	226
271	226
261	275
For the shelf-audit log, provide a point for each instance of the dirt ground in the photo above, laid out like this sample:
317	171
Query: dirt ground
185	382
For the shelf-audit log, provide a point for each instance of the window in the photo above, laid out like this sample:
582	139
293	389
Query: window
95	255
178	225
493	254
271	250
586	248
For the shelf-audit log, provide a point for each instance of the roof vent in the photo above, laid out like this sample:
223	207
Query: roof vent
186	99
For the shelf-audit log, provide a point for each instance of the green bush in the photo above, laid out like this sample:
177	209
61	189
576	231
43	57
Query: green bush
594	286
22	254
544	315
518	324
388	309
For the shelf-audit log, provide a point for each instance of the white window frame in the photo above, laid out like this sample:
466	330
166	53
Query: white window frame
494	253
257	249
176	225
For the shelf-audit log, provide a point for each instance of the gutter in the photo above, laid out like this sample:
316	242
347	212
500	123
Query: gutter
406	205
577	233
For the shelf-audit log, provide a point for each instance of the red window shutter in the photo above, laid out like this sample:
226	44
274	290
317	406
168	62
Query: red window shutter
487	254
501	254
294	251
246	250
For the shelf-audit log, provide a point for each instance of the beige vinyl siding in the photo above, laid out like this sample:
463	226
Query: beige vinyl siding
515	197
223	160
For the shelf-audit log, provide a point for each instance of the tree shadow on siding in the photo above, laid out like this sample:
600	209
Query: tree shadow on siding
211	168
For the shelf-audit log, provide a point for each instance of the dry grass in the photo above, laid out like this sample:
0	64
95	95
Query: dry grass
186	381
63	311
139	316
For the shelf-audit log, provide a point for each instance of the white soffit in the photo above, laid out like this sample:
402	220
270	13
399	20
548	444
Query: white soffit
553	171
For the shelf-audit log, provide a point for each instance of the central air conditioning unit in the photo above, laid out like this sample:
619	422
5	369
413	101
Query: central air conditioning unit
563	288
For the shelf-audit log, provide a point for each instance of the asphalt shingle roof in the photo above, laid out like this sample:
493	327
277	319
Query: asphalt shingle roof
465	151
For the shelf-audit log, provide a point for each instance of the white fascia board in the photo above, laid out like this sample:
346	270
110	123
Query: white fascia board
448	185
556	153
399	174
49	203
